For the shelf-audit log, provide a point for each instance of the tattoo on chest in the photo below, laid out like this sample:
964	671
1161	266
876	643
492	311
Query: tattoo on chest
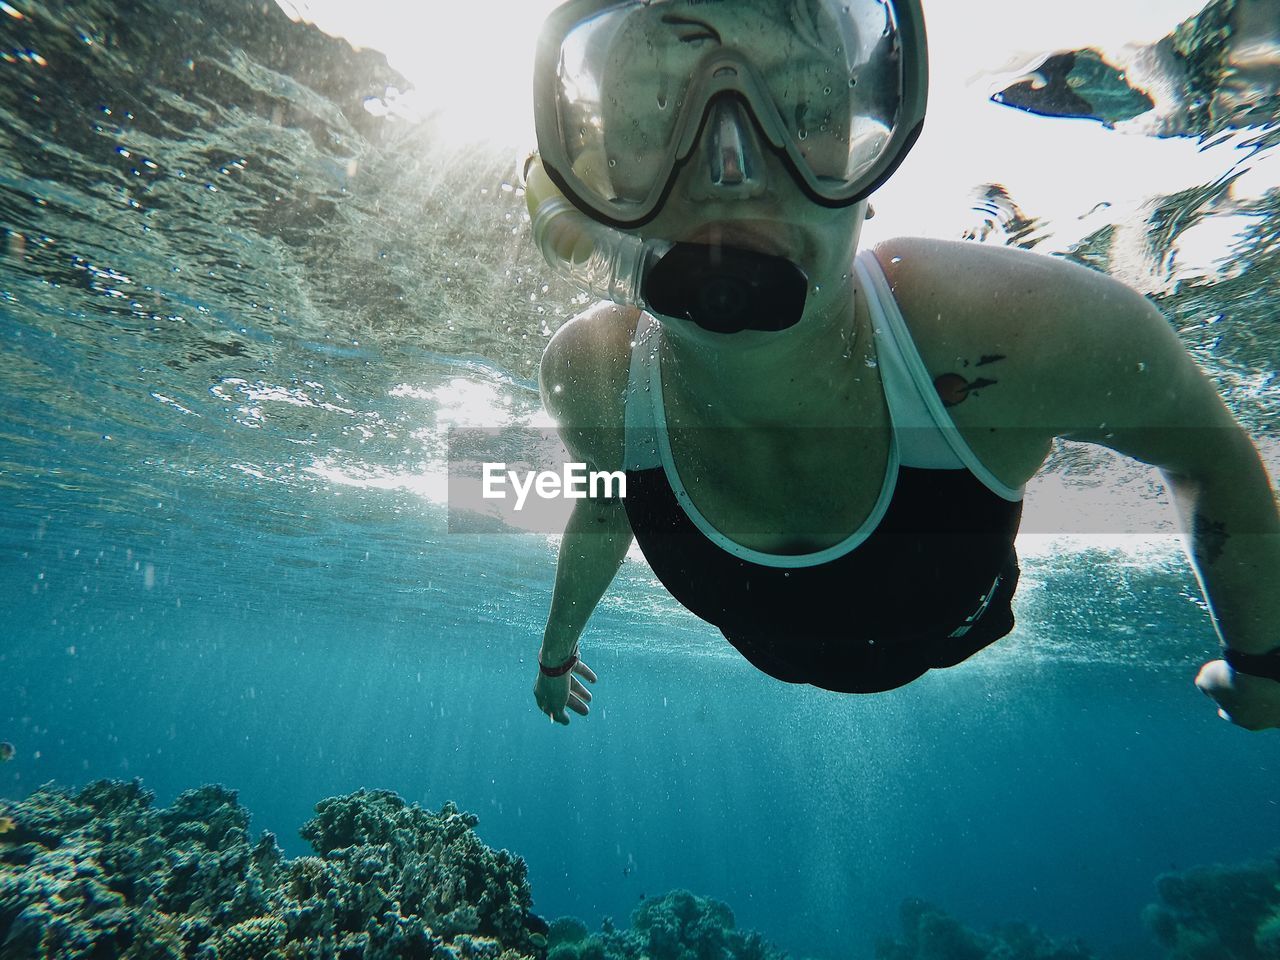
1210	537
955	388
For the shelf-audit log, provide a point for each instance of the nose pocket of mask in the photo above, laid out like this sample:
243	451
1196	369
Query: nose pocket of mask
726	289
734	150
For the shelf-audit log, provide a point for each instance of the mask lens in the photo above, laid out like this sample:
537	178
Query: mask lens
836	83
621	84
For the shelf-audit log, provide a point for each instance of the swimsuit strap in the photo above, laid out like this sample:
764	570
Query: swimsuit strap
927	436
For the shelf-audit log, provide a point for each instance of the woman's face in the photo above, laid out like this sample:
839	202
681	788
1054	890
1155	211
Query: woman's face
799	58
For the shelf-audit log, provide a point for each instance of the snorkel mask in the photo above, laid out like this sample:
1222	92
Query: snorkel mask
625	91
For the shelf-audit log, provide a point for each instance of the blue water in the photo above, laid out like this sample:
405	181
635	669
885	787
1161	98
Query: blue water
225	557
1008	788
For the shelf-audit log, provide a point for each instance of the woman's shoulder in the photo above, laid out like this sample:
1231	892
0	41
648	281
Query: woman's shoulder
583	380
951	290
980	277
587	360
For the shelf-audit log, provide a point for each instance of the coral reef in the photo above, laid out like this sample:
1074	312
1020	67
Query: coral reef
1219	912
677	926
930	934
103	873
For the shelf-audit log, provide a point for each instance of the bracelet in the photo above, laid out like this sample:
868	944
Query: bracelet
561	670
1265	665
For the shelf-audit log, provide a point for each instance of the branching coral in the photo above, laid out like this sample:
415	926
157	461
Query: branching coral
431	865
251	939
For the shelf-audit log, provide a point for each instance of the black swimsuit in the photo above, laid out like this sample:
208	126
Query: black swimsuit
925	582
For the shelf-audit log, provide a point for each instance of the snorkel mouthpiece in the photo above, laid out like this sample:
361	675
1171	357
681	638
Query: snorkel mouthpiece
726	289
721	289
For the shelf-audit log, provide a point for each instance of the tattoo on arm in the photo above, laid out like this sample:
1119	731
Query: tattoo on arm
1209	536
954	389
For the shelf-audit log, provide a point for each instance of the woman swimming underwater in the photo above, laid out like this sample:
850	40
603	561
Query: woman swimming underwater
826	450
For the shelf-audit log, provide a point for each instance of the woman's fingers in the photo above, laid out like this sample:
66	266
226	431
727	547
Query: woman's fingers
1247	701
1213	676
580	696
578	699
554	714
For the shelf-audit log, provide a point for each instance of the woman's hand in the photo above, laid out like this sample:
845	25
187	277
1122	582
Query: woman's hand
1247	701
554	694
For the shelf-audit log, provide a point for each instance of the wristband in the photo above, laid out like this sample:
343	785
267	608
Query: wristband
1265	665
561	670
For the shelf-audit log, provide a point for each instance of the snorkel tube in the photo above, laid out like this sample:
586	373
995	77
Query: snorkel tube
721	289
607	263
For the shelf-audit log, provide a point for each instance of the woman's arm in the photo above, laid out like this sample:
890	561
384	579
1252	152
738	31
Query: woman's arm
1135	389
1144	396
595	541
1230	513
583	379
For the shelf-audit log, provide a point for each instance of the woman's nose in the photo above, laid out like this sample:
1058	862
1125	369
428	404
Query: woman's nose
732	163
